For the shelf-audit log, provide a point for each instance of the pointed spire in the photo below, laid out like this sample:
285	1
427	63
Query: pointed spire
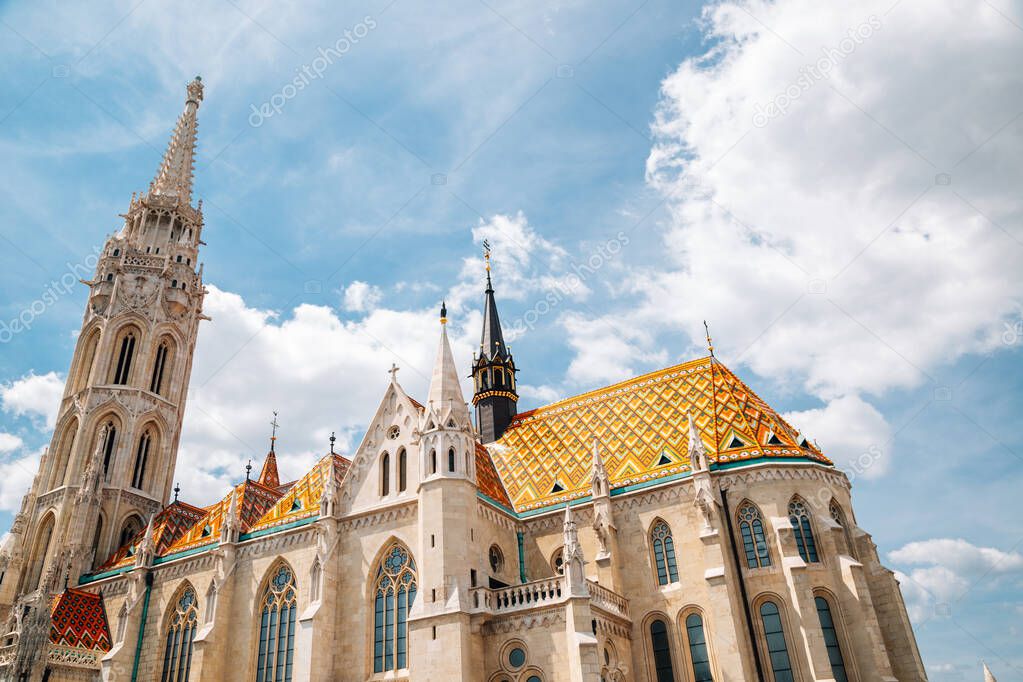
598	479
697	451
268	475
445	390
174	177
988	675
492	340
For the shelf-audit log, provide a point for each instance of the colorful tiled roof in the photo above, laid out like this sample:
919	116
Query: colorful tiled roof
78	619
544	457
254	500
169	525
303	499
487	480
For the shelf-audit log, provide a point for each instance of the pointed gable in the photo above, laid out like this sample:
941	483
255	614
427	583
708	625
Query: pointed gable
268	475
487	480
170	524
643	430
253	501
303	498
78	619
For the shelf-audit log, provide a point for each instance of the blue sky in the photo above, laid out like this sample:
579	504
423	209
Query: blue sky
834	189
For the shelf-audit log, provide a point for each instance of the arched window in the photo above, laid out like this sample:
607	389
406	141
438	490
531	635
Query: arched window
97	556
402	470
279	605
661	649
177	657
664	553
141	456
42	548
63	455
87	359
315	579
385	474
558	561
129	530
774	637
751	526
159	365
839	517
125	355
801	530
109	440
433	461
831	639
698	652
451	459
393	598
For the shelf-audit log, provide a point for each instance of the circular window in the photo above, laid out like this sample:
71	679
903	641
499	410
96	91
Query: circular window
393	432
517	657
558	562
496	559
534	678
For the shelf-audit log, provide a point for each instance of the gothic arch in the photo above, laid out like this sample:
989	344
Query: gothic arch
40	548
146	454
663	556
180	622
130	526
61	458
277	608
161	359
393	586
803	532
85	357
124	354
114	414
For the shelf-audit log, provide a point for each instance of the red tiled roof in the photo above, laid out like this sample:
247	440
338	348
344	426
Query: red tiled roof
78	619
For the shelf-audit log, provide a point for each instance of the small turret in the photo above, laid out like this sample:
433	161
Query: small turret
496	397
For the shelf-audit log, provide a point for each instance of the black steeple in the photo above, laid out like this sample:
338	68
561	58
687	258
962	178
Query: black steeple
493	371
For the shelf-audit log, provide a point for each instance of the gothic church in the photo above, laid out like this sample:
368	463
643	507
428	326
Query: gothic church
668	527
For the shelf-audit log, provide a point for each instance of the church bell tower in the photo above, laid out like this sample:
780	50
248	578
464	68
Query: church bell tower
110	462
493	370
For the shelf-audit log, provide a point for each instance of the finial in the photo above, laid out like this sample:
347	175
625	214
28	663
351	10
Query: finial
273	433
443	312
332	439
248	470
195	91
177	489
710	344
486	259
394	368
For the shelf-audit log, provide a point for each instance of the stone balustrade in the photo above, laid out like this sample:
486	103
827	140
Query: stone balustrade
541	593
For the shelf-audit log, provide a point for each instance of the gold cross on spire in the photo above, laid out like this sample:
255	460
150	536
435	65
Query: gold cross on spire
273	433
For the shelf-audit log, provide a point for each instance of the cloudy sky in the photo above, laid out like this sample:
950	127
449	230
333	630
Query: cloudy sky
834	187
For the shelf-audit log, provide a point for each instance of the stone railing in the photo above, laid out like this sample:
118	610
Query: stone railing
73	657
520	597
545	592
609	601
7	654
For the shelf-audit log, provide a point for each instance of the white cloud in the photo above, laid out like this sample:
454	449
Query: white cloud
362	297
9	442
34	395
825	247
853	433
946	570
15	479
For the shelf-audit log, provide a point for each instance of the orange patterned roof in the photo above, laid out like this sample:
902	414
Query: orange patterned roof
254	501
170	524
545	456
487	480
78	619
303	499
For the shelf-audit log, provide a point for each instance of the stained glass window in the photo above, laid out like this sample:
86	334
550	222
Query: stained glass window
393	598
664	553
754	543
800	520
279	606
177	656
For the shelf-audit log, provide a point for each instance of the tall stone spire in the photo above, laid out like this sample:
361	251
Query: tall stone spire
174	177
495	396
445	392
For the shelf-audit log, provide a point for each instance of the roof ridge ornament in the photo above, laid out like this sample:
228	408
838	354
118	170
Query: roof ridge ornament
710	343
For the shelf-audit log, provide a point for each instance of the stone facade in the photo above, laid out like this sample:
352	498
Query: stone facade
413	563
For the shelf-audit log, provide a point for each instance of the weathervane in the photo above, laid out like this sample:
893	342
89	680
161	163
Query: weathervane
486	253
710	344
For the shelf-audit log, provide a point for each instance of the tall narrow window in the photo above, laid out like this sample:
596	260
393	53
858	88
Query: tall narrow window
385	474
139	474
839	518
754	544
402	470
125	355
777	650
129	530
109	440
156	382
800	520
698	651
177	657
451	459
277	628
433	461
664	553
831	640
662	651
395	593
